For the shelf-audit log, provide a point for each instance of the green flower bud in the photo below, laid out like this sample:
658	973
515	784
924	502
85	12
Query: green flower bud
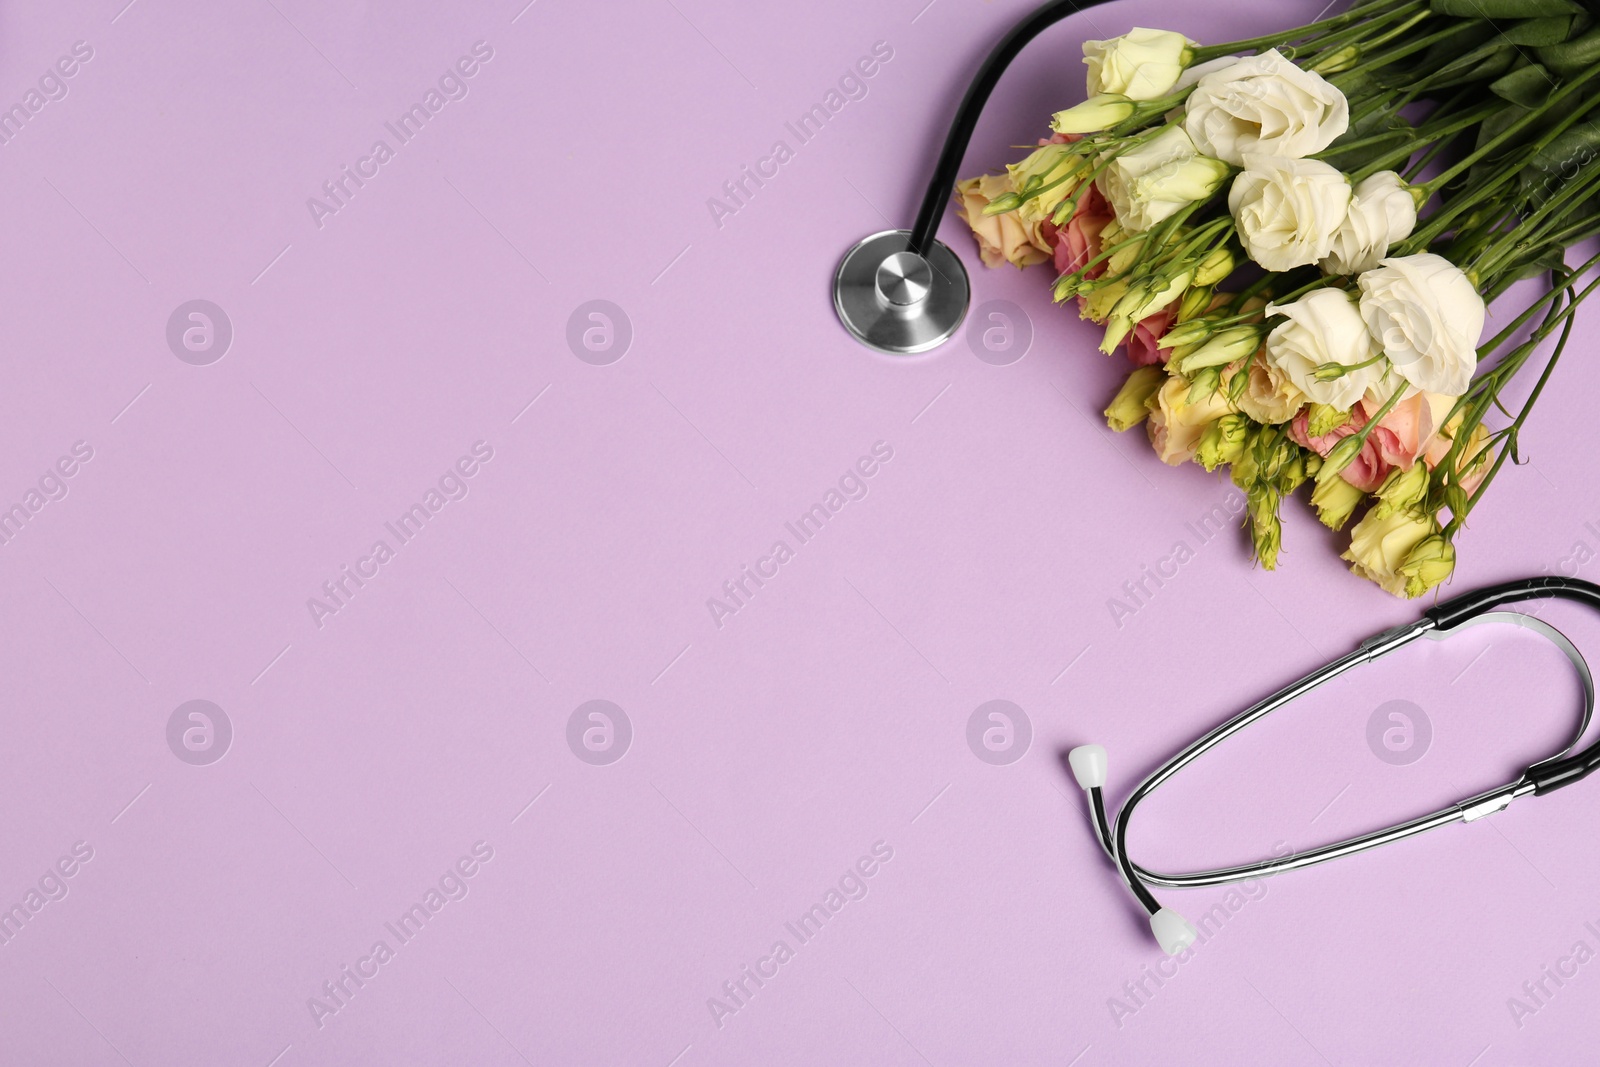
1323	419
1130	406
1246	470
1292	473
1340	59
1177	356
1222	441
1185	333
1403	489
1223	347
1339	458
1203	384
1196	302
1238	383
1455	498
1335	500
1266	531
1429	563
1003	203
1277	458
1094	114
1117	329
1215	267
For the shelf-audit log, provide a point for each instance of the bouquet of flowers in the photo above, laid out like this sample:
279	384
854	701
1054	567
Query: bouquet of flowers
1293	239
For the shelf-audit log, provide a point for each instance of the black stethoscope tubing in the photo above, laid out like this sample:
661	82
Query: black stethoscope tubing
948	166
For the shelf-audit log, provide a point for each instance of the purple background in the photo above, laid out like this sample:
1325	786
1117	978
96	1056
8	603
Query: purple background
828	714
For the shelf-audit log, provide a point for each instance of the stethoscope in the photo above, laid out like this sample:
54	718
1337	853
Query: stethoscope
905	291
1173	931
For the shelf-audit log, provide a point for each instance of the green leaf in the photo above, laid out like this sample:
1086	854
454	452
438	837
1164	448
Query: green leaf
1574	152
1539	33
1483	63
1526	86
1505	9
1549	259
1461	40
1572	56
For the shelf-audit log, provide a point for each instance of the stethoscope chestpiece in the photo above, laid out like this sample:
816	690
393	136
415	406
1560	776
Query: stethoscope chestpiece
904	291
897	301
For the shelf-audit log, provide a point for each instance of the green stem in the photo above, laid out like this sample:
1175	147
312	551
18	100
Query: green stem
1463	432
1487	348
1531	232
1383	59
1435	184
1422	135
1356	13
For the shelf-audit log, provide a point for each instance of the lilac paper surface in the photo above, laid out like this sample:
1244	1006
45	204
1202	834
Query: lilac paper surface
604	878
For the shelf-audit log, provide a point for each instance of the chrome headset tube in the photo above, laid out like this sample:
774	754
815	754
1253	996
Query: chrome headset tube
1563	768
905	291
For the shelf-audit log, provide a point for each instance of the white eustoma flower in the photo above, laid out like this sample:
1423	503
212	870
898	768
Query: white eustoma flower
1288	210
1266	104
1428	317
1141	64
1324	327
1153	180
1382	211
1192	75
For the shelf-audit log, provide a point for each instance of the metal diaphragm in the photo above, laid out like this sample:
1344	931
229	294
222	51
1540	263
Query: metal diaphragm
896	301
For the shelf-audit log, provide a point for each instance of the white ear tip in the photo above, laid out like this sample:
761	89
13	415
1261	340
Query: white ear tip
1088	765
1173	932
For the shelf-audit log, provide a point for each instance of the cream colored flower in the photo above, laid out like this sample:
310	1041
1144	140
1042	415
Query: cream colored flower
1269	396
1380	546
1141	64
1093	115
1266	104
1428	317
1323	327
1382	211
1288	210
1152	181
1177	425
1192	75
1001	238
